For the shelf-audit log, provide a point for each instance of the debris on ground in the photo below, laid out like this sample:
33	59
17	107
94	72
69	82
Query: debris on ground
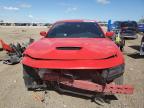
14	51
131	69
14	81
39	96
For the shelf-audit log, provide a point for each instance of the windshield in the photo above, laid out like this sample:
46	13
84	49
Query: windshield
75	30
117	25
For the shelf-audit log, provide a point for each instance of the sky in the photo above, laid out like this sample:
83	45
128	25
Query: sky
49	11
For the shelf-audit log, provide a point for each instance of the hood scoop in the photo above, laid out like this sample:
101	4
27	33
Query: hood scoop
68	48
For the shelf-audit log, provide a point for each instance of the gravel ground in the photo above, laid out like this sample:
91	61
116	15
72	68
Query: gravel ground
13	93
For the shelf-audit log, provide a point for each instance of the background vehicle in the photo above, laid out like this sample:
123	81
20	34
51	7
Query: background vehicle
128	29
116	25
76	57
141	27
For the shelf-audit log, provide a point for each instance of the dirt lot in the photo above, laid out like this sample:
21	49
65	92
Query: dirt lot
13	93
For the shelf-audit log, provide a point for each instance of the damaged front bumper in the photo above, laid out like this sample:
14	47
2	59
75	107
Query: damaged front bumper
95	81
93	87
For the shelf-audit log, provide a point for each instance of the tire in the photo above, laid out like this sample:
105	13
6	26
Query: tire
28	83
31	78
1	49
119	80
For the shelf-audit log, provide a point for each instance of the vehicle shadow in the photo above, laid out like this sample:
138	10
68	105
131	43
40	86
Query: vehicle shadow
1	49
135	47
135	56
129	38
98	99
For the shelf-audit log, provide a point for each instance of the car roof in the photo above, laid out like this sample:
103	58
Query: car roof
76	20
129	21
125	21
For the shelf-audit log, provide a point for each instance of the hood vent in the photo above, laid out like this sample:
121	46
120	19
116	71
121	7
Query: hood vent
68	48
110	57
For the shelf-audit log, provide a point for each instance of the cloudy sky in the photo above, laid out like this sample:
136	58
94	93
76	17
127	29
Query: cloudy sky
52	10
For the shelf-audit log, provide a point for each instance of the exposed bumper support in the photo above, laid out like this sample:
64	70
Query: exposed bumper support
93	87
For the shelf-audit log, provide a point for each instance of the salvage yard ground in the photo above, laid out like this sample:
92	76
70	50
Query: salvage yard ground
13	93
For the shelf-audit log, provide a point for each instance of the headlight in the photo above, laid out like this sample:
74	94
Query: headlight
112	73
116	70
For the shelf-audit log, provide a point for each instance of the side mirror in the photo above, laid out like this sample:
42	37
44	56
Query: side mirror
109	34
43	33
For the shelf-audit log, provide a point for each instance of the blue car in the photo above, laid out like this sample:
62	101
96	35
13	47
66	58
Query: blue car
141	27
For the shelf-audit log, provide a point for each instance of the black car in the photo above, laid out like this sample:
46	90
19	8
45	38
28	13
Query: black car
128	29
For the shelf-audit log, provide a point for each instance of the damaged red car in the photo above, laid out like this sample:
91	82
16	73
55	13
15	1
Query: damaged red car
75	56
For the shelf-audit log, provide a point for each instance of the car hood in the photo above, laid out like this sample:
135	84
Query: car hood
72	48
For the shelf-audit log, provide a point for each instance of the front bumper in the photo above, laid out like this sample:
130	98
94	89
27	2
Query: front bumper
89	86
93	87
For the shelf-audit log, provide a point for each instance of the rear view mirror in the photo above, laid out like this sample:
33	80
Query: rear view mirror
109	34
43	33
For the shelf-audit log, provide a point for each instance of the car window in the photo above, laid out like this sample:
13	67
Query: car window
75	30
127	24
116	25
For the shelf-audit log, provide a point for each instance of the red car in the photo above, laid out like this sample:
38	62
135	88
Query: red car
75	56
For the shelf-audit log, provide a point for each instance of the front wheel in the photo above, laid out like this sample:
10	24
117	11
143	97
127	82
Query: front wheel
29	83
